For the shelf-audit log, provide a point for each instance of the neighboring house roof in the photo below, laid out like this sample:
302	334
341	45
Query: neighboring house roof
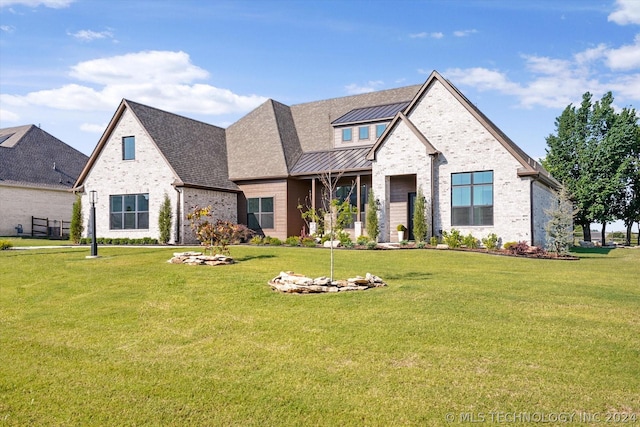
196	151
530	167
32	157
269	141
339	160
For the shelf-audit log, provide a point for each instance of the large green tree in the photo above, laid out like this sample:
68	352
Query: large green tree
567	158
593	154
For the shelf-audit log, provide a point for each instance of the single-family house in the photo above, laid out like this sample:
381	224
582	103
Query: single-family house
37	173
259	170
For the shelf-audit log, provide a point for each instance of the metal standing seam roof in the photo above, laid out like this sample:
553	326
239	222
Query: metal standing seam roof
378	112
343	160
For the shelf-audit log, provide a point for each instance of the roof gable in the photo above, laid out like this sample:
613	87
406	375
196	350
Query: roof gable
530	167
31	156
195	151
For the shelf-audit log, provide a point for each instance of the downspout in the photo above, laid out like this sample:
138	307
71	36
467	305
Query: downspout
433	186
531	219
179	238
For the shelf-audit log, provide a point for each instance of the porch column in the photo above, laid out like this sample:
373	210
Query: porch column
313	193
358	199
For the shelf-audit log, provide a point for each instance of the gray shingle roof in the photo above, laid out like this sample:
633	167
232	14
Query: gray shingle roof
31	156
368	114
196	151
264	143
268	141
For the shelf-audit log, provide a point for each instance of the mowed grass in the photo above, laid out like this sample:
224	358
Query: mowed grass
128	339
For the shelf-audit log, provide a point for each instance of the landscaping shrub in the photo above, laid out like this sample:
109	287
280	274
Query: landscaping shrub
164	220
372	245
453	239
362	240
373	228
5	244
421	245
433	241
509	245
345	239
308	242
256	240
491	242
76	228
274	241
522	248
292	241
404	242
420	226
470	242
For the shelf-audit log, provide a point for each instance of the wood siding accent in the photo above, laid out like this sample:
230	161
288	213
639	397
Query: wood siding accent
401	186
271	188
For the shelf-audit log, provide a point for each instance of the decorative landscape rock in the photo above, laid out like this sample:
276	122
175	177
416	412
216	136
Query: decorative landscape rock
290	282
198	258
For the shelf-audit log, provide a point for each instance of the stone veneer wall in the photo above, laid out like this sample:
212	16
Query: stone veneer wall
224	206
466	146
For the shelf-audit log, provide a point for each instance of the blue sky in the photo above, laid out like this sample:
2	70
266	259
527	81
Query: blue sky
66	64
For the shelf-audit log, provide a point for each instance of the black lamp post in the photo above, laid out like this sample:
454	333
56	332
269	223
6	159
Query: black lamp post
94	242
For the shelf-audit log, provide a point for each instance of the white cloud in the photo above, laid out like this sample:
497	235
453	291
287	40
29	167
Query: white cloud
464	33
628	12
54	4
555	83
161	79
93	128
8	116
370	86
626	57
88	35
7	28
424	35
148	67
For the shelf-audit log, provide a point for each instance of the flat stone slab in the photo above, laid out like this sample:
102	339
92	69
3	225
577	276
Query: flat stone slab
290	282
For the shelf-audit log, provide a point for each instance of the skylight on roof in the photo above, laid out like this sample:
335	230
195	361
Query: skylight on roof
3	138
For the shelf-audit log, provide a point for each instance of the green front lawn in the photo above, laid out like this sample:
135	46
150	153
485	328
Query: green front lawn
128	339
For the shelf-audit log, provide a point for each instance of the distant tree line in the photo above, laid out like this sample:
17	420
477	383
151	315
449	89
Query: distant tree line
595	153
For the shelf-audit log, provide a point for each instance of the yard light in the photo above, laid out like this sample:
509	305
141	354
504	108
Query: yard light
93	194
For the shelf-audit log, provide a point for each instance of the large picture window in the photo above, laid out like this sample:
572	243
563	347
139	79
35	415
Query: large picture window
472	198
349	192
260	213
129	148
129	212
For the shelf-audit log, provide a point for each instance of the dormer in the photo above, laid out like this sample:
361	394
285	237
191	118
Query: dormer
363	126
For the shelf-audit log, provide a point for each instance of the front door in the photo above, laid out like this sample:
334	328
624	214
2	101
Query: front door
411	207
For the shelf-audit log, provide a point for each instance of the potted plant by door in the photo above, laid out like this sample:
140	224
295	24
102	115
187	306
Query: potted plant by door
401	229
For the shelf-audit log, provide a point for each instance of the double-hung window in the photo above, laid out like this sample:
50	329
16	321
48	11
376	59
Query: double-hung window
129	148
129	212
380	130
472	198
260	213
